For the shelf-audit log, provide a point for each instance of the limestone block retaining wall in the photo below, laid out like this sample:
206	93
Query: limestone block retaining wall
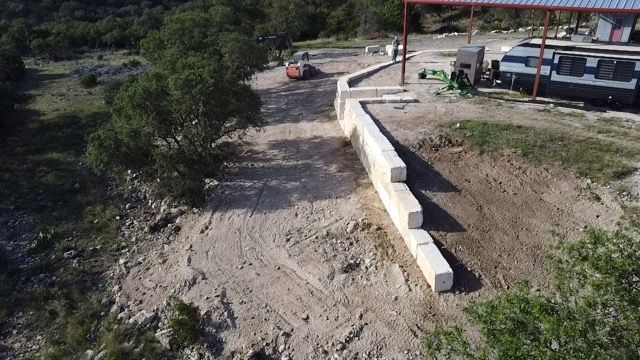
388	172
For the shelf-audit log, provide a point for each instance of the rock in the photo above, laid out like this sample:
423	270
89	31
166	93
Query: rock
339	346
144	318
305	317
123	316
165	337
282	348
192	276
89	355
352	227
71	254
101	355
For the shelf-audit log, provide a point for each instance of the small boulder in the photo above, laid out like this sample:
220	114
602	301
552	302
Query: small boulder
71	254
352	227
89	355
165	337
144	318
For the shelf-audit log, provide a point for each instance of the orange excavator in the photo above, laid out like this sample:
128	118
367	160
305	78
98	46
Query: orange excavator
300	67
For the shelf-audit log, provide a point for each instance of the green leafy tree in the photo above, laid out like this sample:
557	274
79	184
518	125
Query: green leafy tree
593	312
17	36
175	123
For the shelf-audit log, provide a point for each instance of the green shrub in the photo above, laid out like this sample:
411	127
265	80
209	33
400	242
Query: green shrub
88	80
111	89
133	63
185	322
593	312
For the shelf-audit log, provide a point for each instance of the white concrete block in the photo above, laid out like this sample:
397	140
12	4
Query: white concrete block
389	49
372	49
339	106
343	90
362	92
392	167
434	267
377	154
402	206
415	237
384	90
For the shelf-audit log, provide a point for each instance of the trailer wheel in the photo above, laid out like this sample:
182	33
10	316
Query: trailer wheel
615	105
597	102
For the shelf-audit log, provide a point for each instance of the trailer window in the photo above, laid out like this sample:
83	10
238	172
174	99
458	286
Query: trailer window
571	66
531	62
615	70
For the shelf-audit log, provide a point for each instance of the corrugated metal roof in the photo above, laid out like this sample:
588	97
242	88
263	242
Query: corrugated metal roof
630	6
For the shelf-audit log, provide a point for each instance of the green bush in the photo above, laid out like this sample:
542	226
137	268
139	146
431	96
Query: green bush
111	89
185	323
88	81
133	63
593	312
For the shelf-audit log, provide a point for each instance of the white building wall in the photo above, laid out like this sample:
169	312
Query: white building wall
605	26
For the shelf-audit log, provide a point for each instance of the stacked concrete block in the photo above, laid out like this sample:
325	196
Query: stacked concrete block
375	151
363	92
388	172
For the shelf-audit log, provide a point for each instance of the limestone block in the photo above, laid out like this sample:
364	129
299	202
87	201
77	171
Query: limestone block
434	267
372	49
384	90
362	92
402	206
415	237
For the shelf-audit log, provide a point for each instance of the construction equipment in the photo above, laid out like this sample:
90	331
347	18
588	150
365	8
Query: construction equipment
457	82
300	67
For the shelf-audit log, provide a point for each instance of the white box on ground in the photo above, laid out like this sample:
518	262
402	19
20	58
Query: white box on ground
389	50
372	49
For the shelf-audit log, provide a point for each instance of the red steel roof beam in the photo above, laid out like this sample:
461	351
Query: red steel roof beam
405	33
525	6
541	57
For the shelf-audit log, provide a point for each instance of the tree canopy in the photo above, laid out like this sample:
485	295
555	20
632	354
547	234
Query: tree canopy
173	124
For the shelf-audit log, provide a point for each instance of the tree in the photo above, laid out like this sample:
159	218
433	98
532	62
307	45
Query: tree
17	36
175	123
593	312
11	71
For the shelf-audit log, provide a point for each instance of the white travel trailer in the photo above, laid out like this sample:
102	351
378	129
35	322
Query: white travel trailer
595	72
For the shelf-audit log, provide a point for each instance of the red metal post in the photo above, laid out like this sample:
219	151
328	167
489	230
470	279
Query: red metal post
404	41
470	27
541	57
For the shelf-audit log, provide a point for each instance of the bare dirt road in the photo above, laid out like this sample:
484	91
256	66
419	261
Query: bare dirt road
294	254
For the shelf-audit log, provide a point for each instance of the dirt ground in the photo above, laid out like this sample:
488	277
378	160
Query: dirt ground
270	256
270	261
493	214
